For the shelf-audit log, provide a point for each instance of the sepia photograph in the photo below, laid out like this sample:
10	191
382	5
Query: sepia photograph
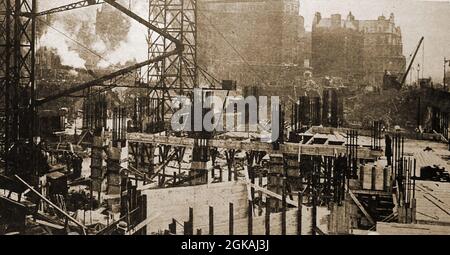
224	118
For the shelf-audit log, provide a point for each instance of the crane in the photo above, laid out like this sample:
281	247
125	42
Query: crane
20	144
179	48
390	81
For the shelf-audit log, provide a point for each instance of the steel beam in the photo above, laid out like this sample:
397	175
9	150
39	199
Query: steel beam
69	7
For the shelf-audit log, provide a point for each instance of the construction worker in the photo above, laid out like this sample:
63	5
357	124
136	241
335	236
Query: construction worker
388	149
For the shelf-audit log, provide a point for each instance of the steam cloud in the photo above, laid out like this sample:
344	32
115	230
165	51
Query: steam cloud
118	39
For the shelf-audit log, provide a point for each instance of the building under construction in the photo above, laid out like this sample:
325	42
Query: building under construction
93	150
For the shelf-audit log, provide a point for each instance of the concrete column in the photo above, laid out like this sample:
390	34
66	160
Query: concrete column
117	159
199	165
275	179
98	163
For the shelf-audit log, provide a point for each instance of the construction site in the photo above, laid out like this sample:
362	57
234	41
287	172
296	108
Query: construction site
331	136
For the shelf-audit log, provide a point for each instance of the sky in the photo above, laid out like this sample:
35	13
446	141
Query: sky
416	18
134	47
427	18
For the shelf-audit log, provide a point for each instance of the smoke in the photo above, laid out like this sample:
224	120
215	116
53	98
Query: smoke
85	39
53	39
134	47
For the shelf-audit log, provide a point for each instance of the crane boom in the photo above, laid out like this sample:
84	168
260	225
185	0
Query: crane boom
102	79
402	81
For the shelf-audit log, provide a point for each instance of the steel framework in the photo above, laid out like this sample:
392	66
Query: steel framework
17	59
178	72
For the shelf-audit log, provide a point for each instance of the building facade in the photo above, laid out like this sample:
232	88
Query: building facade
252	42
383	48
358	50
337	47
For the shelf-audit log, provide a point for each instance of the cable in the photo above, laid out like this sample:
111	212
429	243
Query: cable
423	57
234	49
75	41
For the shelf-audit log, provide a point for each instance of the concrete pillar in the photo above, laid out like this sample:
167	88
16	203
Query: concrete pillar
98	163
199	165
275	179
200	171
117	159
150	152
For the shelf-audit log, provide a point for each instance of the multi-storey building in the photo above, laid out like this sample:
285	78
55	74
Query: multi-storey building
383	48
360	49
252	42
337	47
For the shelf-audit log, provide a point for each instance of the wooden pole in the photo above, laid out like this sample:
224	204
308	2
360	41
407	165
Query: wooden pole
260	183
189	225
299	213
191	220
283	208
267	221
83	227
143	209
228	158
174	178
211	220
250	218
314	208
231	220
173	227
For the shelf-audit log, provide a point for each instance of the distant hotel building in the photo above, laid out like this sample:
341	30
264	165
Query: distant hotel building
360	50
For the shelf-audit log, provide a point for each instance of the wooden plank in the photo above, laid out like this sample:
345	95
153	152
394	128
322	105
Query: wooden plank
5	201
411	229
247	180
272	194
319	231
365	132
141	225
361	207
48	224
372	192
53	205
286	148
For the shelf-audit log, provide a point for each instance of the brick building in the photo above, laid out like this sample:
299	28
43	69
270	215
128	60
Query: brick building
361	50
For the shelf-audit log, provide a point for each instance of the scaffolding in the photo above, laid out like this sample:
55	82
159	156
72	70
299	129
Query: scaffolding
17	60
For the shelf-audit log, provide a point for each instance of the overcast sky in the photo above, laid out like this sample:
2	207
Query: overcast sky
430	19
416	18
